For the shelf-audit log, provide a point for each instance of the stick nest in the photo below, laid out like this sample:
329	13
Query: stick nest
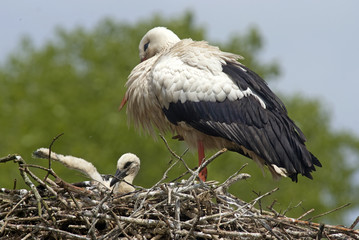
186	209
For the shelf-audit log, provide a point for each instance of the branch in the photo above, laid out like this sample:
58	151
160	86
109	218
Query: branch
326	213
50	149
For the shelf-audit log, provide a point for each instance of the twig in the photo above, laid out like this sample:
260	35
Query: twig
96	212
270	207
290	208
259	201
354	223
26	236
30	184
46	186
52	191
192	178
197	216
178	213
175	155
11	211
209	160
50	149
232	179
48	229
254	201
8	158
118	223
72	188
139	221
305	214
328	212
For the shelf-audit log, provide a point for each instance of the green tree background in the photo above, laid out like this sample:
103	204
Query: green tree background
74	84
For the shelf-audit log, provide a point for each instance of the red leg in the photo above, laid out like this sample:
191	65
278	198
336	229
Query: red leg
202	174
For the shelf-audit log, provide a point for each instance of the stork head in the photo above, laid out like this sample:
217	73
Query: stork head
127	168
155	41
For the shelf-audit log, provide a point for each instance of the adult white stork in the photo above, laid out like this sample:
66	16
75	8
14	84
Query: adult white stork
209	99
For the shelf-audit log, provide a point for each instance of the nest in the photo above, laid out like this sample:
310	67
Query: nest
183	209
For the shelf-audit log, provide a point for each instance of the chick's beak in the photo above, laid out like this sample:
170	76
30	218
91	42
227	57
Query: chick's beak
119	175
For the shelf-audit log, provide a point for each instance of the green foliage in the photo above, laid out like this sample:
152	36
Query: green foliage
75	83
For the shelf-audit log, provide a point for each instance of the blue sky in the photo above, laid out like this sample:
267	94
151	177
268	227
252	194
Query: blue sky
315	42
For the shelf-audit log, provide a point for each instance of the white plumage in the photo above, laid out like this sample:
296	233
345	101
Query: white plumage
128	166
209	99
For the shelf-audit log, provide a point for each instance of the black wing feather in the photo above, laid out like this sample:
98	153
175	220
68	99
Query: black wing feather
268	132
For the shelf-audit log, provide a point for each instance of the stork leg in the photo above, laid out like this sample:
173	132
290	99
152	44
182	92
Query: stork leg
203	173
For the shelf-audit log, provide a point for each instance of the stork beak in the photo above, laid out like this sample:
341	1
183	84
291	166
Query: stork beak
119	175
143	59
123	103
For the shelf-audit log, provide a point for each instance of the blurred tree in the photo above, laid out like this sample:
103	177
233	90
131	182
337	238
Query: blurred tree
75	83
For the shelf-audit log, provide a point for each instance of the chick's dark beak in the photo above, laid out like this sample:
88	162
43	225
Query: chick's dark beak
119	175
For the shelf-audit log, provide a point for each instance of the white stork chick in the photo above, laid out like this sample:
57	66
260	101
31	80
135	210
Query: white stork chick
128	166
210	100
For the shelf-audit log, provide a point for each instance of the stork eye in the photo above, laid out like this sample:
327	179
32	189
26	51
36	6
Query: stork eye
127	165
146	46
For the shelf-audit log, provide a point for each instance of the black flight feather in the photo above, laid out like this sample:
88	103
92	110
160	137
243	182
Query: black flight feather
268	132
